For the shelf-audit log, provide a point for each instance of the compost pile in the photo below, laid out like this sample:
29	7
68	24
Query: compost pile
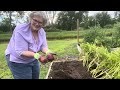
68	70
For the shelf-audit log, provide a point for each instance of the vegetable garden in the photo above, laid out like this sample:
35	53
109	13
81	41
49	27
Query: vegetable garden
99	58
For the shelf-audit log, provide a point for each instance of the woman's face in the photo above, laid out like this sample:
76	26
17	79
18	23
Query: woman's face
36	23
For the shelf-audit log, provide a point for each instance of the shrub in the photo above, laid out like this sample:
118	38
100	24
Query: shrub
108	26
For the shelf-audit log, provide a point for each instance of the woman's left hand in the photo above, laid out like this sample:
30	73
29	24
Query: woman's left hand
50	57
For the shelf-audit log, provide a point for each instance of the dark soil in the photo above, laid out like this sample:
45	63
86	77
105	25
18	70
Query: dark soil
68	69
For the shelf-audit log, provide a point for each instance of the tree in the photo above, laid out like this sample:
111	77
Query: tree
9	15
67	19
85	20
50	16
103	19
19	15
91	21
117	16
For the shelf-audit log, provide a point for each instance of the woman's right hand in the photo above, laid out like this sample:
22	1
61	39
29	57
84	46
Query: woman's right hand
43	59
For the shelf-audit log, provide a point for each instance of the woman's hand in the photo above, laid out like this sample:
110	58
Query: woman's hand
43	59
50	57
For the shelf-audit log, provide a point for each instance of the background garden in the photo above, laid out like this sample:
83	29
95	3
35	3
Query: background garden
99	40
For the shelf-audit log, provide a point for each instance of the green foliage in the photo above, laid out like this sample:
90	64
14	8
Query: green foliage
52	28
5	28
89	52
101	63
108	26
116	36
67	20
99	37
103	19
91	35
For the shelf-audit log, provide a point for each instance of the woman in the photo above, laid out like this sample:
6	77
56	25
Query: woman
22	53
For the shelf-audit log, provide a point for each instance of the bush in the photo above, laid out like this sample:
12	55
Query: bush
116	36
92	35
5	28
52	30
108	26
1	31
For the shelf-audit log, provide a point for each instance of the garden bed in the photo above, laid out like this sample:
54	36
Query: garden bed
68	69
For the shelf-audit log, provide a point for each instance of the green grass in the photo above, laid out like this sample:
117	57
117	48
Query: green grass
61	34
61	47
4	71
5	36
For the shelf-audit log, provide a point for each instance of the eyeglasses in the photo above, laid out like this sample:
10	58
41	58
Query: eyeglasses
36	21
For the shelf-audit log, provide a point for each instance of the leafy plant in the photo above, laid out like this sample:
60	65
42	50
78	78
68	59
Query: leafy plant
100	62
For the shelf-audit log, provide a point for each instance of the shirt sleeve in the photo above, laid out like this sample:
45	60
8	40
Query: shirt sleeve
44	45
20	44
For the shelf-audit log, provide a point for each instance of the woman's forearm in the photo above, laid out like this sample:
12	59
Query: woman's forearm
45	50
28	54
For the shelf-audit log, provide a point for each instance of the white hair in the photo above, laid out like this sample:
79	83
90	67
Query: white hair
38	13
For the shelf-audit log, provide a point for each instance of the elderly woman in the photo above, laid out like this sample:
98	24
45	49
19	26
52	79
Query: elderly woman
22	53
